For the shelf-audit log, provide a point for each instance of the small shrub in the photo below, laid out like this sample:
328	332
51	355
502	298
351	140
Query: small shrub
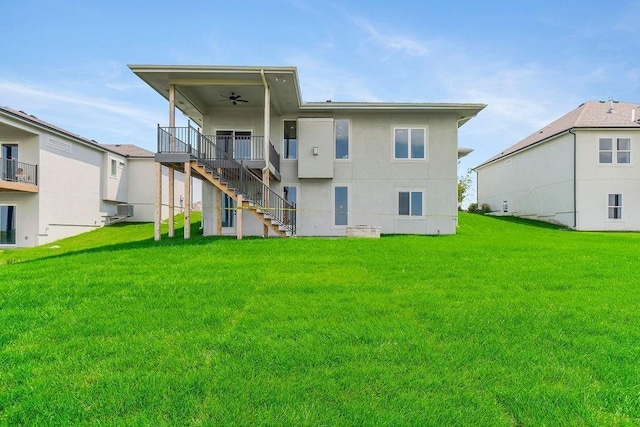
483	209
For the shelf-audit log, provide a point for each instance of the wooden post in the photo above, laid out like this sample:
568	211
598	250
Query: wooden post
266	145
172	147
239	211
220	213
158	203
187	200
171	219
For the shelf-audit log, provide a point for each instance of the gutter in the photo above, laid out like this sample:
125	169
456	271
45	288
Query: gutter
575	186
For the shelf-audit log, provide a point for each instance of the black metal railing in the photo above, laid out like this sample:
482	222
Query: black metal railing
219	162
14	171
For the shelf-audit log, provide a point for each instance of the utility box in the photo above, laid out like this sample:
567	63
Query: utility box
125	210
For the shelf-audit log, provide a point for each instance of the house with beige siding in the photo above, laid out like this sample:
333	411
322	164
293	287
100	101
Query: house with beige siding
55	184
582	170
272	164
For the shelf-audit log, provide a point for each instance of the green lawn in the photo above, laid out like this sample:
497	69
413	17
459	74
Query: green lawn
508	322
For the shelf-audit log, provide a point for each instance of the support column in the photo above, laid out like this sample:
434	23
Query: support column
172	124
220	212
187	200
266	146
171	219
158	204
239	212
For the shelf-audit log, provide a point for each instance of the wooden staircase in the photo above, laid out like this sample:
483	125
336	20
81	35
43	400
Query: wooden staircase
254	207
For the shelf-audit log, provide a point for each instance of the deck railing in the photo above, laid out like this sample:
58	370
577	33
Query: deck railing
12	170
234	173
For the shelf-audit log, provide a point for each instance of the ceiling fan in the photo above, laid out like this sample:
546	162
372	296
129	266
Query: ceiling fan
233	98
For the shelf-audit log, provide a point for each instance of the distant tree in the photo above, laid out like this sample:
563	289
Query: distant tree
464	184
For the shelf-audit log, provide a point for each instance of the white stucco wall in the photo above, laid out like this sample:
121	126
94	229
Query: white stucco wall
596	181
373	176
536	183
141	184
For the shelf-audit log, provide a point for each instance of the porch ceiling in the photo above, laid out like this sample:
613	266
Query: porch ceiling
200	89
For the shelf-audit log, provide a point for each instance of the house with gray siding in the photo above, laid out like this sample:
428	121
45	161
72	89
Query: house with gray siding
274	165
581	171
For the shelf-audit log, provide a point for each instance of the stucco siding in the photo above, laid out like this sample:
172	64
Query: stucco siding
536	183
596	181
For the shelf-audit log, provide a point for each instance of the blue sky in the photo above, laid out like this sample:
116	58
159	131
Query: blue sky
531	62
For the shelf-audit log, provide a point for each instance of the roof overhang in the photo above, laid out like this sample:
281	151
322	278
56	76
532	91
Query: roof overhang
202	88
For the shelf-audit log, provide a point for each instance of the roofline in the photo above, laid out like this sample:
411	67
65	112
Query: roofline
547	139
472	108
51	128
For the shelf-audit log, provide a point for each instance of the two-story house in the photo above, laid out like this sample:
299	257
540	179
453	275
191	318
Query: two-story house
273	164
55	184
579	171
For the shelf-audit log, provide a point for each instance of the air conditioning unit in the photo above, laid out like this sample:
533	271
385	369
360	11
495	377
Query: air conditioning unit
125	210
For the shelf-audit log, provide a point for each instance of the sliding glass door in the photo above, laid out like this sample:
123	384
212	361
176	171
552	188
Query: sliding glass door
7	225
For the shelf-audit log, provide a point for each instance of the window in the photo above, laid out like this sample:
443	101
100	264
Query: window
342	139
290	194
341	205
114	167
618	153
228	211
615	206
409	143
623	148
290	143
410	203
7	225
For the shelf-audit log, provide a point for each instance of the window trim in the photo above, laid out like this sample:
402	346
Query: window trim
282	157
335	140
423	206
333	205
619	207
409	128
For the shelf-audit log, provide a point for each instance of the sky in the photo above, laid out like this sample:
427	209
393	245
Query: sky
66	61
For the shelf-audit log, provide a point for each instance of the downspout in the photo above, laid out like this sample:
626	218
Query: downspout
575	174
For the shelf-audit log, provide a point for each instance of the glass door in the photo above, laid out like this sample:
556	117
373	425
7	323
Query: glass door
7	225
8	163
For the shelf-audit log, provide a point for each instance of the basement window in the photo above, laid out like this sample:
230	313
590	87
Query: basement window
410	203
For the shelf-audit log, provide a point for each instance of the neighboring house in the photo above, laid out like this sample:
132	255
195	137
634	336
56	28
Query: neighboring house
54	184
581	171
321	167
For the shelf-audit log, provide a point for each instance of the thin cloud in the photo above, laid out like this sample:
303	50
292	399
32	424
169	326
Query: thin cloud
391	42
20	93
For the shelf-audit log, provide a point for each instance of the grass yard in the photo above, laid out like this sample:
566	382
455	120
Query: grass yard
508	322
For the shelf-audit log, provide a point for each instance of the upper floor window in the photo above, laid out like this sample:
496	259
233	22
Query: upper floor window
290	142
409	143
615	206
342	139
614	151
114	167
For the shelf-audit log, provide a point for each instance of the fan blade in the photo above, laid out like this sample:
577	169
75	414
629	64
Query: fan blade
241	100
